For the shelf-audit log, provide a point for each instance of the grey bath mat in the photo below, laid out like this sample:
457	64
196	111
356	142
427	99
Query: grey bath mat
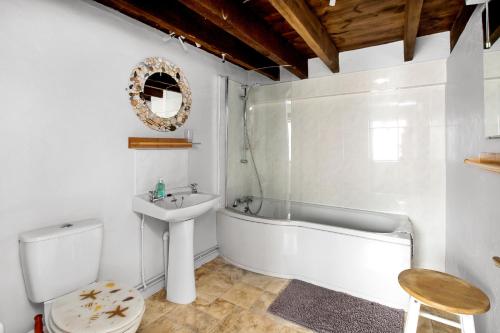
328	311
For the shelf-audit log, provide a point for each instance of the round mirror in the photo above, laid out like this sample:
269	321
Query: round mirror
160	94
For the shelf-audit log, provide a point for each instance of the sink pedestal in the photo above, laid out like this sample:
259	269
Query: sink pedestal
180	278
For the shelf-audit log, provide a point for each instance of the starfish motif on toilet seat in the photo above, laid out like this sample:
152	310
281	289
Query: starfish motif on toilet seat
91	294
116	312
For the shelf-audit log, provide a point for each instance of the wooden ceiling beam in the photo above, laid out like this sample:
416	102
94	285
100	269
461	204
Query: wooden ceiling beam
413	9
171	16
298	14
459	25
254	31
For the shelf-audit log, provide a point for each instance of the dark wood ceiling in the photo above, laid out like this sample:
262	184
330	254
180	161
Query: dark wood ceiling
264	9
263	33
355	24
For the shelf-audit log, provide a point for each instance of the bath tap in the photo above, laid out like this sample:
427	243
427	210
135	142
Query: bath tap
245	200
194	187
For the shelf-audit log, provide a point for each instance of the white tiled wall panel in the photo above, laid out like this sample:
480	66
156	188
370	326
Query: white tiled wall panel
369	140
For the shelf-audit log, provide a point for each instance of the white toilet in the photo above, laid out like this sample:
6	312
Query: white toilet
60	266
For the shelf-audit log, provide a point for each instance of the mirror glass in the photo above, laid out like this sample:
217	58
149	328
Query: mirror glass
491	61
162	95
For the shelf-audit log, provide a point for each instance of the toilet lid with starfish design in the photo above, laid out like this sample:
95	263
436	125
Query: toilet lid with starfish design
104	306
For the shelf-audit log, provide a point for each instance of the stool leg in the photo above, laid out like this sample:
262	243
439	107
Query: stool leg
412	316
467	323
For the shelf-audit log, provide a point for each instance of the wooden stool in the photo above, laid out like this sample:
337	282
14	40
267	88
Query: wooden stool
443	292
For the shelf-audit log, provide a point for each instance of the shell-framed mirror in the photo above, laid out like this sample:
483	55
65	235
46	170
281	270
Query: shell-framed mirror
160	94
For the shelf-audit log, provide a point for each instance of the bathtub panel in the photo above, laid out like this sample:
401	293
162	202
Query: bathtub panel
360	266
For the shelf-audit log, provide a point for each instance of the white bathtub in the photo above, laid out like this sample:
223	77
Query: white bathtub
353	251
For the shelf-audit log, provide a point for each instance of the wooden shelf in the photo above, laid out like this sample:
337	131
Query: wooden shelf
487	161
158	143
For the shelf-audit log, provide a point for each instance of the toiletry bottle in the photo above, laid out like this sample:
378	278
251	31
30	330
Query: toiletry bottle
160	189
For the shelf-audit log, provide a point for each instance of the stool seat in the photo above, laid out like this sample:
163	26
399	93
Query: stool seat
444	292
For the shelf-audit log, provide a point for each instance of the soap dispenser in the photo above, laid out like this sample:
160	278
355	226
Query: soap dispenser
160	189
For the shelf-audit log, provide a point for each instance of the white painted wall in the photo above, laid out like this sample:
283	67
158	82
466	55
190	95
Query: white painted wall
427	48
472	194
64	123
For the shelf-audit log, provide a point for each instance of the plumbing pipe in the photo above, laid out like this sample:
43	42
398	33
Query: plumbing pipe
165	255
143	279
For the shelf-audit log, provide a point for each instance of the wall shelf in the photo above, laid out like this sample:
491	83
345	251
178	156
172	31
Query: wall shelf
158	143
487	161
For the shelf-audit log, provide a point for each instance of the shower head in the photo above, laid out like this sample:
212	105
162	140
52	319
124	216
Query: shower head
246	90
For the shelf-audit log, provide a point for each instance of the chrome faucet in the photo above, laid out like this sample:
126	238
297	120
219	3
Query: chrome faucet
194	187
244	200
153	196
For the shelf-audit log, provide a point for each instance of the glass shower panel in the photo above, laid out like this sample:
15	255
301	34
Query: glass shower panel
258	143
268	117
238	176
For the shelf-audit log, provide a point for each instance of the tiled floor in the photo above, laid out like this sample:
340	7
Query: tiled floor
231	300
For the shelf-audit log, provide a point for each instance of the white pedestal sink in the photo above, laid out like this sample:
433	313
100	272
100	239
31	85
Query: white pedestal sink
179	210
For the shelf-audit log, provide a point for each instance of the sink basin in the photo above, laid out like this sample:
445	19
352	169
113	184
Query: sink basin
179	210
176	208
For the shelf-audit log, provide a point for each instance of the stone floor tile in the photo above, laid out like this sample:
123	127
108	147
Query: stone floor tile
213	284
200	272
189	316
424	326
243	295
215	264
233	273
263	302
257	280
164	325
442	328
284	322
245	321
277	285
219	309
156	306
202	299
